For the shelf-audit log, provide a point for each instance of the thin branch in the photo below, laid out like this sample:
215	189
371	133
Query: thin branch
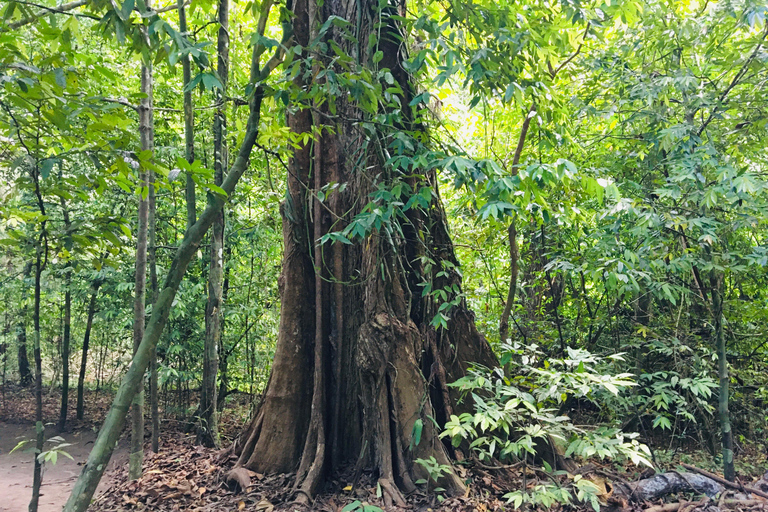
734	82
62	9
68	7
567	61
121	101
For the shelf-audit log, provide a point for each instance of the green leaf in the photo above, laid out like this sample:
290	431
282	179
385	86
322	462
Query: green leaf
194	82
217	190
211	82
125	10
46	166
416	434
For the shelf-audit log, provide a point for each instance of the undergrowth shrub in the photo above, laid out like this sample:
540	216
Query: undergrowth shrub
517	408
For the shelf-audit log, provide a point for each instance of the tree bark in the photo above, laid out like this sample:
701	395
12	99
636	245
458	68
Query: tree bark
514	251
85	486
207	431
716	283
514	258
86	342
152	262
25	374
189	122
41	258
224	352
153	288
65	342
136	458
37	479
354	367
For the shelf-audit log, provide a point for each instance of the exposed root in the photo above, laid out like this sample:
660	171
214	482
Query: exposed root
442	380
240	477
315	474
247	448
392	494
303	498
404	477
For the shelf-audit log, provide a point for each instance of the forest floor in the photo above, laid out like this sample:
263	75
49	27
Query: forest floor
185	477
17	423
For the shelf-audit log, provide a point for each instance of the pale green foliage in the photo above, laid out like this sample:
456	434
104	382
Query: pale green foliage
517	409
682	391
358	506
543	495
51	454
436	471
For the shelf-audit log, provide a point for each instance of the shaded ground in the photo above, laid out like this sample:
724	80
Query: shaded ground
17	414
58	479
185	477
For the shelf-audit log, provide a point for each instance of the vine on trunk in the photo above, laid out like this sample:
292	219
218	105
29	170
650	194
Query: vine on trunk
360	375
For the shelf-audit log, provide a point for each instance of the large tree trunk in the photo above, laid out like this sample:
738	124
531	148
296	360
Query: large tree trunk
357	363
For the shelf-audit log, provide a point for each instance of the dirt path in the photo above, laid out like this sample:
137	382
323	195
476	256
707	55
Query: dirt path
16	468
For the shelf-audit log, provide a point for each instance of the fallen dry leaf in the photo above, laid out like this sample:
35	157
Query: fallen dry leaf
264	506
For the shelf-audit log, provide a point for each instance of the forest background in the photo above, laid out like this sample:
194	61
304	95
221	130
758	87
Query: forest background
600	166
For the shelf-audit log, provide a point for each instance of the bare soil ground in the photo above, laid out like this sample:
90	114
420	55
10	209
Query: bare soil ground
17	414
58	479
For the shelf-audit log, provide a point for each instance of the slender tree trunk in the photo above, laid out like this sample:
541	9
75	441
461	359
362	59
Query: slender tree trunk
65	342
41	258
152	262
514	258
716	282
207	431
357	362
25	374
39	426
94	468
137	408
86	342
153	290
189	122
65	348
514	251
224	352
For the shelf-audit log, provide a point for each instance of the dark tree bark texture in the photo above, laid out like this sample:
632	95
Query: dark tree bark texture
65	342
207	429
25	374
357	363
86	342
